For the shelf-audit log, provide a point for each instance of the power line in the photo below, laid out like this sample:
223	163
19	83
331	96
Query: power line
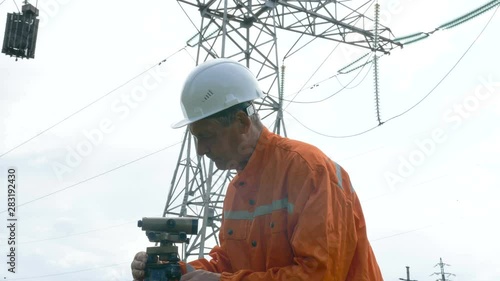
96	176
368	61
336	76
330	136
449	72
189	18
79	233
412	107
16	5
335	93
90	104
404	232
189	54
312	75
341	89
415	37
360	81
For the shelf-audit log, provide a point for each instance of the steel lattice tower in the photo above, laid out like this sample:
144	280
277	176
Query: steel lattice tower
245	30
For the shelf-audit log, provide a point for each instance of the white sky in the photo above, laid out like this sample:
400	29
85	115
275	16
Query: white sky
444	205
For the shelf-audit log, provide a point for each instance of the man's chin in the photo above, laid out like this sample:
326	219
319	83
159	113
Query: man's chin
223	165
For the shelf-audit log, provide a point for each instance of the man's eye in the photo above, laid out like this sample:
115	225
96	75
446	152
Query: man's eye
204	137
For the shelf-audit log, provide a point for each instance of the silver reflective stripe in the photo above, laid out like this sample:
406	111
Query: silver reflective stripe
339	174
260	210
238	215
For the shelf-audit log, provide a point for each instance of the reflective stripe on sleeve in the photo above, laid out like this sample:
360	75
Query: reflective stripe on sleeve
260	210
339	174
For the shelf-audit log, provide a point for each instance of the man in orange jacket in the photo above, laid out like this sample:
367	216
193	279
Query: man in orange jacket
290	213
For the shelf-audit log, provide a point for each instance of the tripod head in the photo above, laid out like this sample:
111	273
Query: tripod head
163	260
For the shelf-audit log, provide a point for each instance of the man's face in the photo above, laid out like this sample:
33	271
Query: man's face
217	142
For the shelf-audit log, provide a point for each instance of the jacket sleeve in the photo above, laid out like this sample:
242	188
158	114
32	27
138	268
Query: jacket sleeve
218	263
324	237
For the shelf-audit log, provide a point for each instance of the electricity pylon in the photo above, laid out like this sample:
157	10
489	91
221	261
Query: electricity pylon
443	275
245	30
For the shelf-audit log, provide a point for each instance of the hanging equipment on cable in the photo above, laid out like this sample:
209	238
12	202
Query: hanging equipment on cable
20	33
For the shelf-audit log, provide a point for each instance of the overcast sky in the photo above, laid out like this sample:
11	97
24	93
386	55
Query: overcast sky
428	180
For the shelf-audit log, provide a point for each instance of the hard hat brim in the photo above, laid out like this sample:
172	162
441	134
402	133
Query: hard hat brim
180	124
184	122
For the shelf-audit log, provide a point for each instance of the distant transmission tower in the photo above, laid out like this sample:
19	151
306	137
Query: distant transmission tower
443	274
245	30
407	275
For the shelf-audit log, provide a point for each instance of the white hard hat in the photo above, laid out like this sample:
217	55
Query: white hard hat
214	86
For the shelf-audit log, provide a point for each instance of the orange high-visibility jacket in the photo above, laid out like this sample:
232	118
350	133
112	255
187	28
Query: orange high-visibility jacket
292	214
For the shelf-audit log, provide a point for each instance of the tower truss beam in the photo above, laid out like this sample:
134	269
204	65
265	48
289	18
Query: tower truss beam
326	19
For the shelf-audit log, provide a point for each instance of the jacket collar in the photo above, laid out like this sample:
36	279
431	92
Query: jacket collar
249	177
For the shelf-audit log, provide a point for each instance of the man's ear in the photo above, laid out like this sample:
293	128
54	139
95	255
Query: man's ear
243	121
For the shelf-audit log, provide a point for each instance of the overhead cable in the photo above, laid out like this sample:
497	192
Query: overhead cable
16	6
341	89
90	104
415	37
95	176
79	233
412	107
318	68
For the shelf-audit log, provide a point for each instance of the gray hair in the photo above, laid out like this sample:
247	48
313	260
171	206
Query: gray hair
227	116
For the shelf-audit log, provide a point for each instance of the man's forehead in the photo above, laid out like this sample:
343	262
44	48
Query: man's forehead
204	126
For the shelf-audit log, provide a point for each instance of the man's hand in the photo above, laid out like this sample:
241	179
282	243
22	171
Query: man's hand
201	275
138	266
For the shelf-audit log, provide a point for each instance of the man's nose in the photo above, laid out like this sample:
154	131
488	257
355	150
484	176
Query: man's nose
201	148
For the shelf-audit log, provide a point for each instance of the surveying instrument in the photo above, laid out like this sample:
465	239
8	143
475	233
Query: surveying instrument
163	259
